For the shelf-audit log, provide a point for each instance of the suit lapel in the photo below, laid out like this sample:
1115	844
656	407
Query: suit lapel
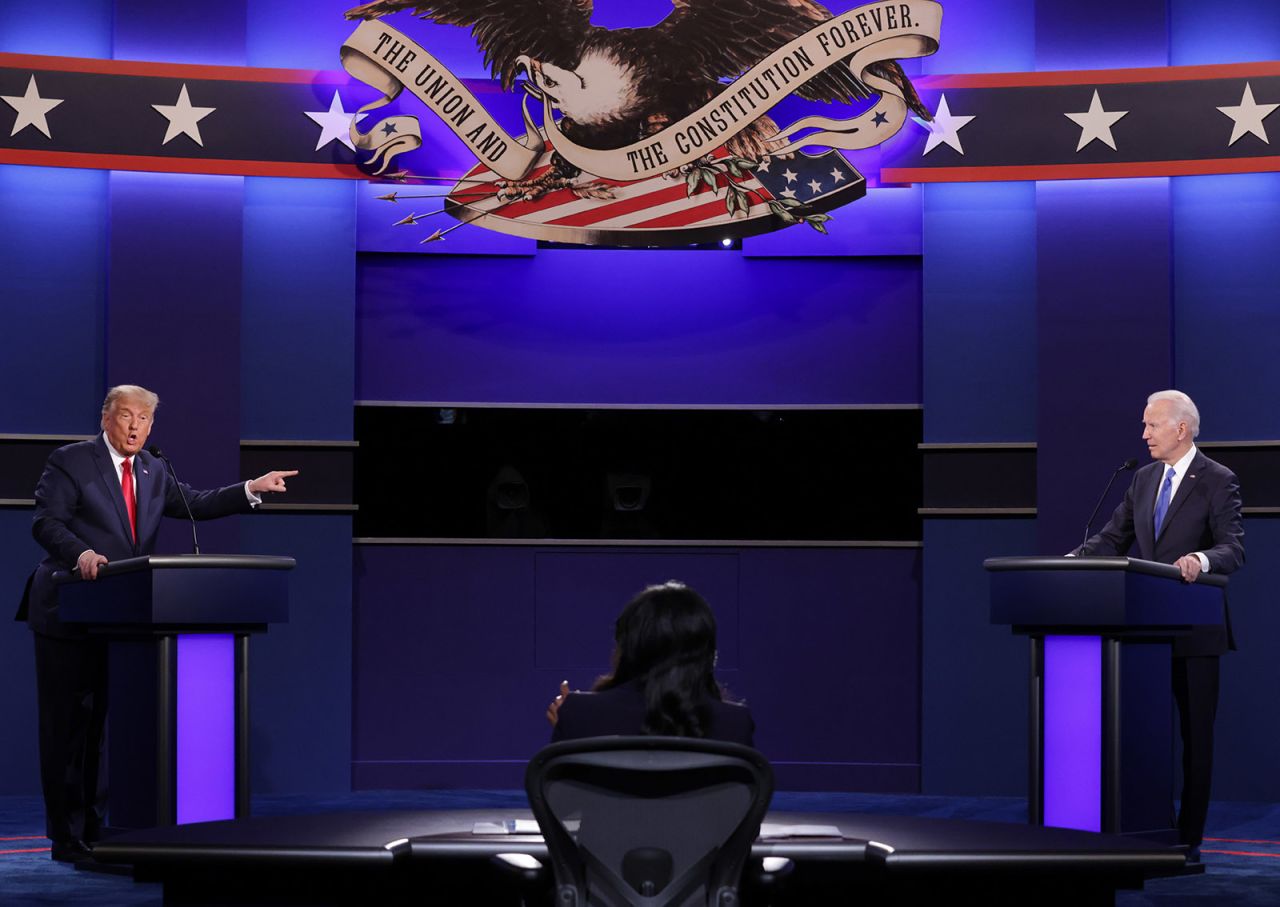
1186	487
112	483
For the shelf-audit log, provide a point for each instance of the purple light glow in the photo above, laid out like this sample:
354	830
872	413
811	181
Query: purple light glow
1073	732
206	771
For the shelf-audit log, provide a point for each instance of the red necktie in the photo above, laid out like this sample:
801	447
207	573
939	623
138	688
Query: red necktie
126	485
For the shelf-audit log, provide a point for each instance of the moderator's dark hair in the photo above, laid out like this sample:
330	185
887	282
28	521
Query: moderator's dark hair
665	641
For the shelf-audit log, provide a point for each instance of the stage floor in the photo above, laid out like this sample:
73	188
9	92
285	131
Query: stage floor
446	857
1242	854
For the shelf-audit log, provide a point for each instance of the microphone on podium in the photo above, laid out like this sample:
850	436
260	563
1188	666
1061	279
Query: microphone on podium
1123	467
159	455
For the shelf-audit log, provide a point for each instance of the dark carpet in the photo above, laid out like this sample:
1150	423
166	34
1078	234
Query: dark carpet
1242	854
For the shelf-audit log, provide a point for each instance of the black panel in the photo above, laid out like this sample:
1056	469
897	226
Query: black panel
22	461
324	473
1258	469
687	474
980	478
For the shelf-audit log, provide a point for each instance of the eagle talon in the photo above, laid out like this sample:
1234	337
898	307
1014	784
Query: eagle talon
530	190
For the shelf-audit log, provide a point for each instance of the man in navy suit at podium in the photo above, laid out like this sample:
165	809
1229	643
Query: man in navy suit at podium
98	501
1183	509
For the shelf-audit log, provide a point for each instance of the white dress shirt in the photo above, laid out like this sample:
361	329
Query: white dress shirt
118	459
1180	469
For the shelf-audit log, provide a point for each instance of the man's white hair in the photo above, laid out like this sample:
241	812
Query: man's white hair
131	391
1184	408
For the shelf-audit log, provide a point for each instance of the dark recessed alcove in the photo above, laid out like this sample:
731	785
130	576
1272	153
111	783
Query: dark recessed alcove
832	474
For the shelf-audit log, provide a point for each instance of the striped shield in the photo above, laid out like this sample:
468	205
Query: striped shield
683	207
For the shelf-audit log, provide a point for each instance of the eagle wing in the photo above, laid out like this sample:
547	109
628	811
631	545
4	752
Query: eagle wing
550	30
723	38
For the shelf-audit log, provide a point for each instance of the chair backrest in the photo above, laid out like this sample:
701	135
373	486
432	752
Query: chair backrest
648	821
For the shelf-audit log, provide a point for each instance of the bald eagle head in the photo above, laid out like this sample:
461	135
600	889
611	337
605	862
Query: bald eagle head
603	88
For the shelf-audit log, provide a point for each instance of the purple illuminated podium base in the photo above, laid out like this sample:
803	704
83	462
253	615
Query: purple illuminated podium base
1101	711
1101	735
178	713
178	631
1071	735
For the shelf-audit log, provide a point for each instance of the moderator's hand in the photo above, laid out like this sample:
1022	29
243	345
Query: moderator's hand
89	563
1189	564
272	481
553	710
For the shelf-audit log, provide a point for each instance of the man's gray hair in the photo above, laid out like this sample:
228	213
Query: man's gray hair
1184	408
132	391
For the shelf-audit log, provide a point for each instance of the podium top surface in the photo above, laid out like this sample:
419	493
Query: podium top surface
184	562
1125	564
193	593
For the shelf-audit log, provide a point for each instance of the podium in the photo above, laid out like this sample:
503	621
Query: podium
1101	722
178	629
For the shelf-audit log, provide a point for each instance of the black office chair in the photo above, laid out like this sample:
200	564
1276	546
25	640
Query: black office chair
648	821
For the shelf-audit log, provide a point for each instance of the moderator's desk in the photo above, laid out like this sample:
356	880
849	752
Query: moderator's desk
430	857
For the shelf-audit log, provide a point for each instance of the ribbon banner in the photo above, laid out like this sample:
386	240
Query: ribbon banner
390	62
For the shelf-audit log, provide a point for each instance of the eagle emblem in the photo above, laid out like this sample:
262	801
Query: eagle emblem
659	135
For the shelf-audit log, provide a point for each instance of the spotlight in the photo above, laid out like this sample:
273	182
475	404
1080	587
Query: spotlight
727	243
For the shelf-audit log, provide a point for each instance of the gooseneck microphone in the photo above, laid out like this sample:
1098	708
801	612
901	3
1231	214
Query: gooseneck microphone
1123	467
195	542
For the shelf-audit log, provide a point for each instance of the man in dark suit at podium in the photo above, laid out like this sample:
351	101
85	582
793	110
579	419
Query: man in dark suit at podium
1183	509
98	501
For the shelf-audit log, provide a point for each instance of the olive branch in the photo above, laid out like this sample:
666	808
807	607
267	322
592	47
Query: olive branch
738	200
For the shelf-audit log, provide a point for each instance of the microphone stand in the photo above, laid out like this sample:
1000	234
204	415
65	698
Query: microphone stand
156	452
1123	467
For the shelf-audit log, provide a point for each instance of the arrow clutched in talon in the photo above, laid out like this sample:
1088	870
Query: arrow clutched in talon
408	221
389	197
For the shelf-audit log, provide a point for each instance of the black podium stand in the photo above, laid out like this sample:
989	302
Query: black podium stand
1101	716
178	626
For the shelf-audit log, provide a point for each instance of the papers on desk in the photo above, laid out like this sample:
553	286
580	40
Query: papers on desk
507	827
770	830
767	830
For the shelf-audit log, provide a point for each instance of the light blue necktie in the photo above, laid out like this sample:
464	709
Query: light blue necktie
1162	502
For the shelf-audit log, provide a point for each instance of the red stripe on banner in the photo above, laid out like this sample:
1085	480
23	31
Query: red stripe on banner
688	215
1099	76
468	193
24	838
42	63
1220	841
481	168
517	210
476	192
623	206
27	850
1244	853
179	164
1079	171
660	197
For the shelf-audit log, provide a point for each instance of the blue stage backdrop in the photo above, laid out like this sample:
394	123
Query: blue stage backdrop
459	649
1082	299
637	327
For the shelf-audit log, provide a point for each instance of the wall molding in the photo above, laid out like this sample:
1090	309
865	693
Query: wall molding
634	543
750	407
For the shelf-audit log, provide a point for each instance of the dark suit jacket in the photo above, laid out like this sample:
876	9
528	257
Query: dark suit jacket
79	505
1203	516
621	711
